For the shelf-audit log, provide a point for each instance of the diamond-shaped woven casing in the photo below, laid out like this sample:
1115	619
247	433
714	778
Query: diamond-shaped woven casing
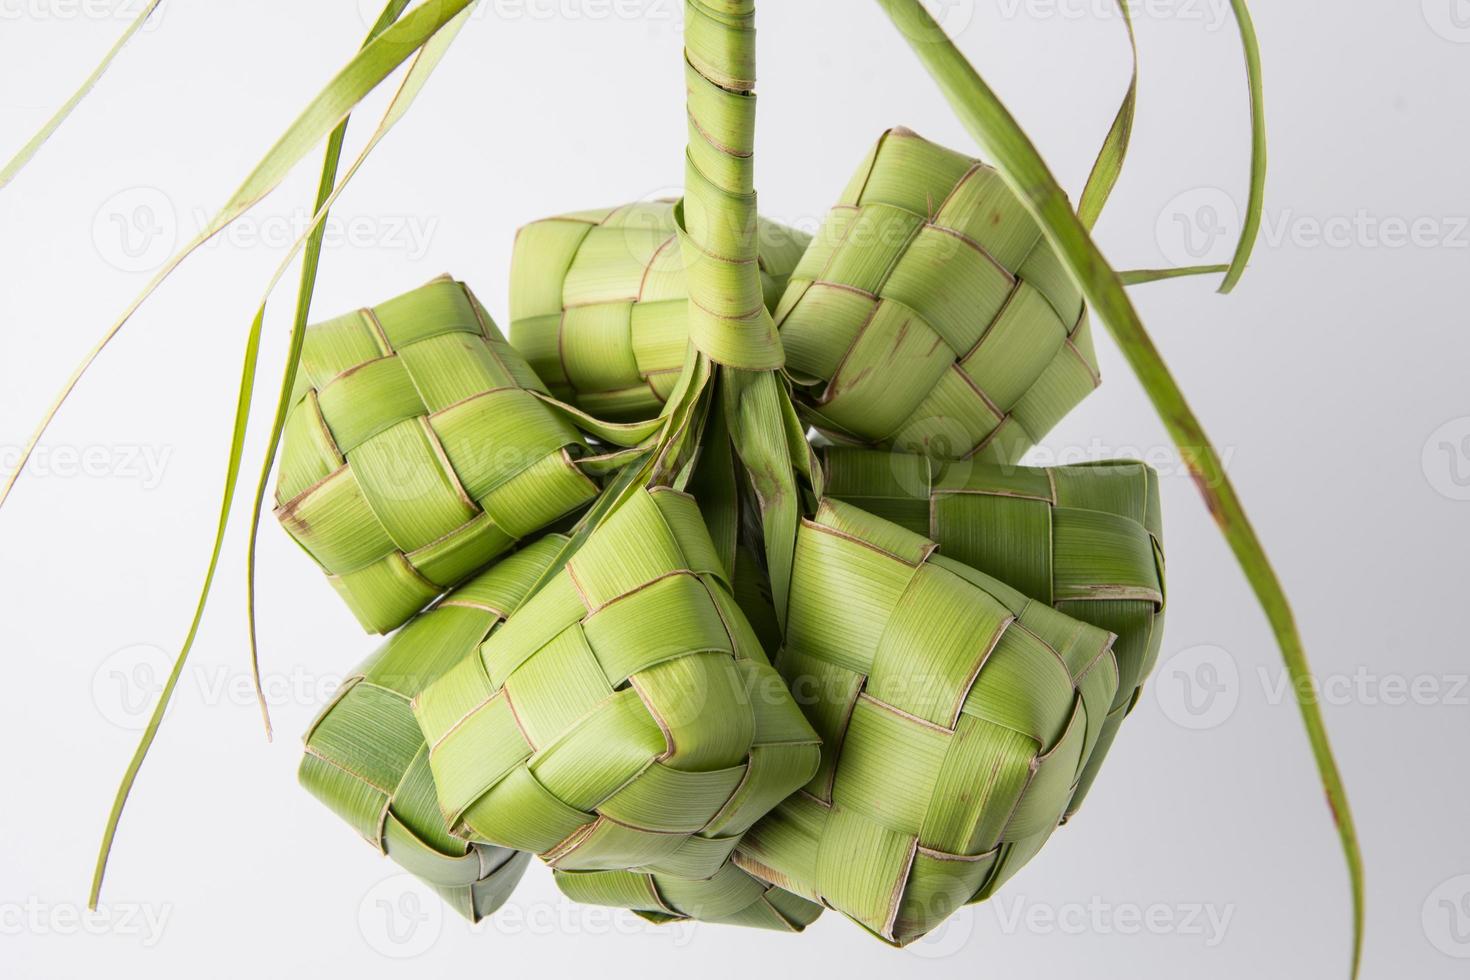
731	897
1085	539
599	303
956	716
367	761
625	718
930	314
416	452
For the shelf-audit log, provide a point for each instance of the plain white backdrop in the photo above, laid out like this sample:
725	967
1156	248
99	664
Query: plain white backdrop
1334	379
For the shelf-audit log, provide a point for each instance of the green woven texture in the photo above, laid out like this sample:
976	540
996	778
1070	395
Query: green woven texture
625	718
1085	539
930	314
416	452
599	303
367	761
731	897
956	717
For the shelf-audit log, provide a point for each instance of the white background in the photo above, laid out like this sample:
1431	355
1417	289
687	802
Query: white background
1334	378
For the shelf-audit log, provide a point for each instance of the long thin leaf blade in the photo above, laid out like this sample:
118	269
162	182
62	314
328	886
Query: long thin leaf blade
24	154
1114	151
1023	169
432	51
362	74
1137	277
1256	203
310	260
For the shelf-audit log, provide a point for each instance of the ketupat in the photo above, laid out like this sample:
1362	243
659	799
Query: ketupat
1086	539
417	450
367	760
625	718
730	897
956	716
599	303
929	313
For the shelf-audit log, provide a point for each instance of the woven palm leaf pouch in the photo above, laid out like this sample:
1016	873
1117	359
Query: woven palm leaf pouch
599	303
418	449
367	761
1085	539
625	718
929	314
956	716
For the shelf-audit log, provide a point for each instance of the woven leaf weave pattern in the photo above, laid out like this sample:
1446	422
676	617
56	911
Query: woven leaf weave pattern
600	303
956	717
416	451
626	717
930	314
1087	540
368	762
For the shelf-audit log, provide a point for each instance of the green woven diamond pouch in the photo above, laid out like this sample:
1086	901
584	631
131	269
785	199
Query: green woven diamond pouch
930	314
367	761
626	717
599	303
956	716
1085	539
416	451
731	897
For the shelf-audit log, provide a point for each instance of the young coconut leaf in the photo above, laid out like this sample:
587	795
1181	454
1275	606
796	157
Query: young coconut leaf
310	260
1086	540
367	761
931	315
956	716
34	144
430	51
624	718
416	451
599	303
992	125
731	897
